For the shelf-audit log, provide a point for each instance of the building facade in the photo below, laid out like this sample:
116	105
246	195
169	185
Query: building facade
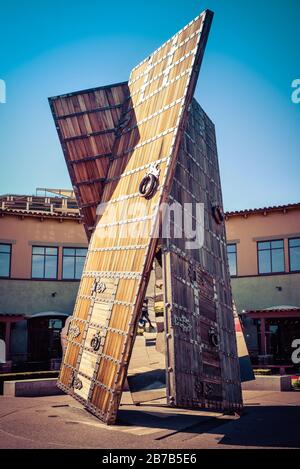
42	249
264	257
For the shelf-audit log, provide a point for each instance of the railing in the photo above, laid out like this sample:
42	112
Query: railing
39	204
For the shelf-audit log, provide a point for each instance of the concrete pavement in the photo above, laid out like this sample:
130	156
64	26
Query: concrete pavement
270	420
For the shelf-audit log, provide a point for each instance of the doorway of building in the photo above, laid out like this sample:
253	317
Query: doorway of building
44	346
280	335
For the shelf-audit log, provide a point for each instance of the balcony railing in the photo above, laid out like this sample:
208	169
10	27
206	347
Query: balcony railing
50	205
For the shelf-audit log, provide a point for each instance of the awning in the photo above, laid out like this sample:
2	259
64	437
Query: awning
281	311
49	314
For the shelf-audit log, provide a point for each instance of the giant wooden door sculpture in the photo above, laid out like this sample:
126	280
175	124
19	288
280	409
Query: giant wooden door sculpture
111	137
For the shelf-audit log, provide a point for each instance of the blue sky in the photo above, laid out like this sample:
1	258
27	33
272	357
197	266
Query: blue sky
51	47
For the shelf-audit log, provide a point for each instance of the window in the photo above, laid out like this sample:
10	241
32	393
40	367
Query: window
73	262
232	259
5	253
294	254
44	262
270	256
55	324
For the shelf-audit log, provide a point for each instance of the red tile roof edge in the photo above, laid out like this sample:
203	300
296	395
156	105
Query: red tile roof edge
273	208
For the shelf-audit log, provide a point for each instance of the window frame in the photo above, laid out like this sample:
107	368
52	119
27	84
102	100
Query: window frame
270	250
10	253
57	256
74	257
289	249
236	263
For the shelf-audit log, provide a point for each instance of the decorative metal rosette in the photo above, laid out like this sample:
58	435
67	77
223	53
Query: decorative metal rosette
75	382
74	331
98	286
183	322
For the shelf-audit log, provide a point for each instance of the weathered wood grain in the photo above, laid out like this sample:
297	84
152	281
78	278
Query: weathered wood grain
197	291
86	122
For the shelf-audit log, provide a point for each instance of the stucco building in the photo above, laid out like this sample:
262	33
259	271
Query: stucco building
42	249
264	260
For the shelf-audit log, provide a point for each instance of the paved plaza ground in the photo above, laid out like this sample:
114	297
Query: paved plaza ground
269	420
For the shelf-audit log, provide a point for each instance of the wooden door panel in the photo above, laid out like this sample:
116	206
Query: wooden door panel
150	129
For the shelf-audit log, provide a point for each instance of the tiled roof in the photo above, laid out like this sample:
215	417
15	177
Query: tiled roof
273	208
273	309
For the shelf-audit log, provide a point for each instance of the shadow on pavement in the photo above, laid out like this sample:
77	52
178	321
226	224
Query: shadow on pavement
173	421
269	426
